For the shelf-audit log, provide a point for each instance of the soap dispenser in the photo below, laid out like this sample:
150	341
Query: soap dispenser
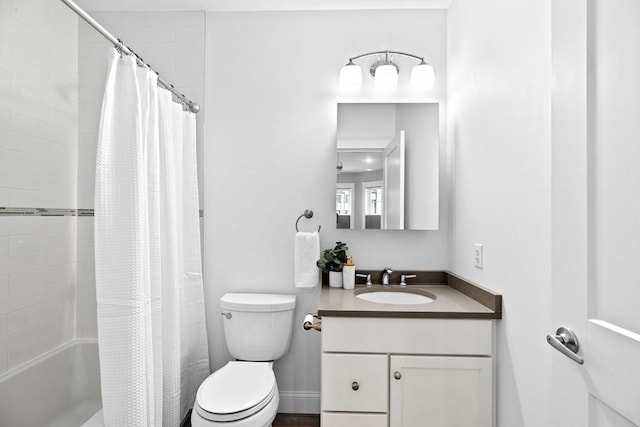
349	274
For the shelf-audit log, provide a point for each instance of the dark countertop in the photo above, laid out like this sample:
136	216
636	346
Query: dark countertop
456	298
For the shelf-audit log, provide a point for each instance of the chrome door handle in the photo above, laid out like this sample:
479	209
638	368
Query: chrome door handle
566	342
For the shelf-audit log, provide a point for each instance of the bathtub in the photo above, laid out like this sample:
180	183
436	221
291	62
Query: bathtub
59	389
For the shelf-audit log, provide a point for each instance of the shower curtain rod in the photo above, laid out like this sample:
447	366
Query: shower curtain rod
117	43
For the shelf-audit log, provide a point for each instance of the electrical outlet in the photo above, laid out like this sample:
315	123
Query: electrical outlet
477	255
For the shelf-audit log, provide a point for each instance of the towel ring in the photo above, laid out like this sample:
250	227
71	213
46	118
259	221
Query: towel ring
307	214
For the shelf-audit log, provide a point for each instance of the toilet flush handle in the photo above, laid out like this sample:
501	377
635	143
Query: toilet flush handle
227	315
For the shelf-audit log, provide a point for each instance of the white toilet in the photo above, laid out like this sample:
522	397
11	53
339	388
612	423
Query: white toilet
244	393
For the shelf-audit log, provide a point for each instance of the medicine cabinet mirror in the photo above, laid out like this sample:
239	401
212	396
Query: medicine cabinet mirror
387	166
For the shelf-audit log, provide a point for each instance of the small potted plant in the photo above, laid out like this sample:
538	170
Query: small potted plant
332	261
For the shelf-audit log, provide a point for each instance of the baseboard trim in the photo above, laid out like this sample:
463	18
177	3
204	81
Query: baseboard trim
299	402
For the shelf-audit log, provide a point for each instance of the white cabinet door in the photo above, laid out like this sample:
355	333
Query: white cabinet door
354	382
441	391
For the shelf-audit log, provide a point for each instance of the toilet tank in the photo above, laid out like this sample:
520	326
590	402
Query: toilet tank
257	327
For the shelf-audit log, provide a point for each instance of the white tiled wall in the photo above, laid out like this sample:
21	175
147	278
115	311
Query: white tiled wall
173	44
86	281
37	286
38	157
38	104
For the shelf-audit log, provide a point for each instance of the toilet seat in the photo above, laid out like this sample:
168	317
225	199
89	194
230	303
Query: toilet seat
236	391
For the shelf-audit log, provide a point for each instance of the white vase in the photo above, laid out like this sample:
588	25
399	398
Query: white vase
348	276
335	279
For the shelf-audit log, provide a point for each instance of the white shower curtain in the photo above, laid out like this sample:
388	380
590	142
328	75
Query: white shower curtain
151	331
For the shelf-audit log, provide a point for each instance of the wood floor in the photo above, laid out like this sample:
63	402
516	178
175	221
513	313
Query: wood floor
297	420
287	420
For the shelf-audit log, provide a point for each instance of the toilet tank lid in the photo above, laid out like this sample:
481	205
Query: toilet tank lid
257	302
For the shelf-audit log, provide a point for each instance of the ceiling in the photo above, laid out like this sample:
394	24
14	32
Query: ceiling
256	5
357	162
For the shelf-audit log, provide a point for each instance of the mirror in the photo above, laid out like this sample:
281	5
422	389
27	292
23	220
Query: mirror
387	167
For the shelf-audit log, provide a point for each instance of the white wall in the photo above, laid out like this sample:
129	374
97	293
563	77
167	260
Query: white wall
369	120
173	44
38	142
272	91
38	105
499	115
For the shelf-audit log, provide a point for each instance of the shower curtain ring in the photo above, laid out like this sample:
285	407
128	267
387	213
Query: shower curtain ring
119	47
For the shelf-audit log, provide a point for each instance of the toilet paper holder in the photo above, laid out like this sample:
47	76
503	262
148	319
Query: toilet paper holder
310	324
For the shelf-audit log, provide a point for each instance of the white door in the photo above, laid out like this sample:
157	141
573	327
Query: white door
596	211
393	192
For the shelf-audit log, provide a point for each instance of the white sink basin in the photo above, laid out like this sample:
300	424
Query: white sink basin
388	296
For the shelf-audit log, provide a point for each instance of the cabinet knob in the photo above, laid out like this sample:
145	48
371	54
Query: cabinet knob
397	375
355	386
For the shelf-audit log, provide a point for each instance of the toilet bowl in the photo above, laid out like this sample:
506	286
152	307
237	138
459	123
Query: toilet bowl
241	394
244	392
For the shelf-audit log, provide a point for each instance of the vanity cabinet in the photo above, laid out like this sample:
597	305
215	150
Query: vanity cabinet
405	372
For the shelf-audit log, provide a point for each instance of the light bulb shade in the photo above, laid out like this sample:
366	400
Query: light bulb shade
350	77
386	77
423	77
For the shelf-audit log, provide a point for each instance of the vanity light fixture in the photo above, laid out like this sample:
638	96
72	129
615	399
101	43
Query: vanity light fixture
385	72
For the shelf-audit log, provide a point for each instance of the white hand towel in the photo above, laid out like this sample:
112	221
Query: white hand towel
306	253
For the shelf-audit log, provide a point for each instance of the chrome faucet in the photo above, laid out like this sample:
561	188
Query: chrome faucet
404	277
367	277
386	273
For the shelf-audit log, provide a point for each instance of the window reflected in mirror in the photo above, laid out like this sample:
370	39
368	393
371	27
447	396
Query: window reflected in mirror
344	210
373	204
